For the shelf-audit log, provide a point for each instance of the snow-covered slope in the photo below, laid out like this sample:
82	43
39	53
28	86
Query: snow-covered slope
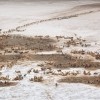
87	25
14	15
26	90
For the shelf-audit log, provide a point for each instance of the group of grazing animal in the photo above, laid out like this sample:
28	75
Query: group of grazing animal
37	79
93	54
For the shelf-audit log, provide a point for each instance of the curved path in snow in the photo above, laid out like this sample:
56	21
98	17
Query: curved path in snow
74	12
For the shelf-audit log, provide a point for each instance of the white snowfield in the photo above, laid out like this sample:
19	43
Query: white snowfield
14	15
86	25
26	90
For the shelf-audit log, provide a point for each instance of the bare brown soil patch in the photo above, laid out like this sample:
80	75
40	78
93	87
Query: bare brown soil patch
18	44
58	60
92	80
33	43
7	84
65	61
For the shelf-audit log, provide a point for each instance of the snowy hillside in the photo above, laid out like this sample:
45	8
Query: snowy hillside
62	41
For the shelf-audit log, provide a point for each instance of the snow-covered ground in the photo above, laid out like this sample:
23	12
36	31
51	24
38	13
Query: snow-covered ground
87	26
37	91
31	91
13	15
27	90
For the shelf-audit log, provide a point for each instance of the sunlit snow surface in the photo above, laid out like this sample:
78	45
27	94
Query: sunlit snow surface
15	14
38	91
26	90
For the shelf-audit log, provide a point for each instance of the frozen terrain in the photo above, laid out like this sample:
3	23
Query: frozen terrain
13	15
46	90
53	18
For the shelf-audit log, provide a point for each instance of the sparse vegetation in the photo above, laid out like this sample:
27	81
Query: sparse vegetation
6	84
9	43
19	77
92	80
